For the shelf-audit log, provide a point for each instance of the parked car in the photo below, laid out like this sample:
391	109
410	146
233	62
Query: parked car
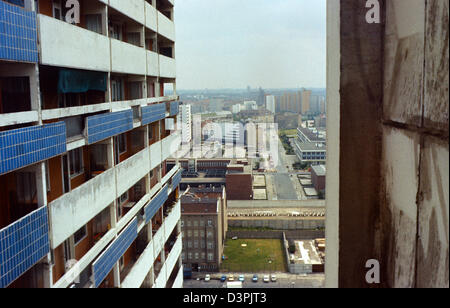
208	278
274	278
223	278
241	278
266	278
255	278
231	278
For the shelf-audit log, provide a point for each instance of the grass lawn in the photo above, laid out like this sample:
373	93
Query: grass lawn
288	132
258	256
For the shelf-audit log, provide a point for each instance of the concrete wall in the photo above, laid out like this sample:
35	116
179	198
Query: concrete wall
278	224
390	199
415	170
294	234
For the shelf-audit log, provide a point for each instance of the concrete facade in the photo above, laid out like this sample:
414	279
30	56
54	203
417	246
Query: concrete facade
384	80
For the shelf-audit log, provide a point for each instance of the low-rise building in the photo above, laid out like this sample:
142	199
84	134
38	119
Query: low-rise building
204	226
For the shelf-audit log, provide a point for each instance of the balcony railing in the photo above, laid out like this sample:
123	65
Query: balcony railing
23	244
18	39
25	146
105	263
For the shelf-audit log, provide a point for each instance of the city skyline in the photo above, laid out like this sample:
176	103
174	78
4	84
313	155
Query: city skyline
268	44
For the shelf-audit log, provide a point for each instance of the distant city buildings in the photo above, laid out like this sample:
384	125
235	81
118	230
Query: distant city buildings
250	105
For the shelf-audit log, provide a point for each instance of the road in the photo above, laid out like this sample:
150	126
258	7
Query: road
284	280
283	186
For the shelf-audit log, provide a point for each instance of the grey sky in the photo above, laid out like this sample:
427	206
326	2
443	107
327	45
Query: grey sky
236	43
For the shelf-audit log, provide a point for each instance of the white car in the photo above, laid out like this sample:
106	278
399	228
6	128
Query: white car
207	278
266	278
273	278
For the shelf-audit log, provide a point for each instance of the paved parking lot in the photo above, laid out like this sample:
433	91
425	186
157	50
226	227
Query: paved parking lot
283	281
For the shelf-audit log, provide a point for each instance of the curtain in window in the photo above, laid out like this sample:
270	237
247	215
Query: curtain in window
75	81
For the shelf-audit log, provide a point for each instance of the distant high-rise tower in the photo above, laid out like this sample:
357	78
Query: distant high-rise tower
186	123
270	103
306	101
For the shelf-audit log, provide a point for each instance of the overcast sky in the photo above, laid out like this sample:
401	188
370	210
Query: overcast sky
240	43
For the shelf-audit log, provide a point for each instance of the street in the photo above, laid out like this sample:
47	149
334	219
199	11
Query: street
284	280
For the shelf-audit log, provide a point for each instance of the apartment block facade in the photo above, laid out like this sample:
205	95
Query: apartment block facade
204	226
86	127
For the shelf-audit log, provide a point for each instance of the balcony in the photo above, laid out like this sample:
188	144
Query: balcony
66	45
166	27
178	283
18	40
105	263
170	145
152	63
134	9
103	126
167	67
151	16
127	58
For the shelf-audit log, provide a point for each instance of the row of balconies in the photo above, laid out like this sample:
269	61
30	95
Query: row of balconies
65	45
137	271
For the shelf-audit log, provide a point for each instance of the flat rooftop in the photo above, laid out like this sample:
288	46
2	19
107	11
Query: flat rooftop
320	170
310	135
306	253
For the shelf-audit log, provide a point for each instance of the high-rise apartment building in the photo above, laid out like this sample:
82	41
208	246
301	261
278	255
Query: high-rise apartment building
306	101
86	200
186	123
270	103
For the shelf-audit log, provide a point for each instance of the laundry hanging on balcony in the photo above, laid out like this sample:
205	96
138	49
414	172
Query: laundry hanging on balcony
75	81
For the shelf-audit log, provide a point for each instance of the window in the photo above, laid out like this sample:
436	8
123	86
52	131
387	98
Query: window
122	143
183	256
189	233
195	223
189	244
210	256
203	256
210	245
197	256
134	38
80	235
150	132
210	224
195	233
190	256
57	12
188	223
115	30
66	100
135	90
94	22
117	90
182	221
121	201
195	244
47	177
122	263
202	233
209	234
124	198
76	162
